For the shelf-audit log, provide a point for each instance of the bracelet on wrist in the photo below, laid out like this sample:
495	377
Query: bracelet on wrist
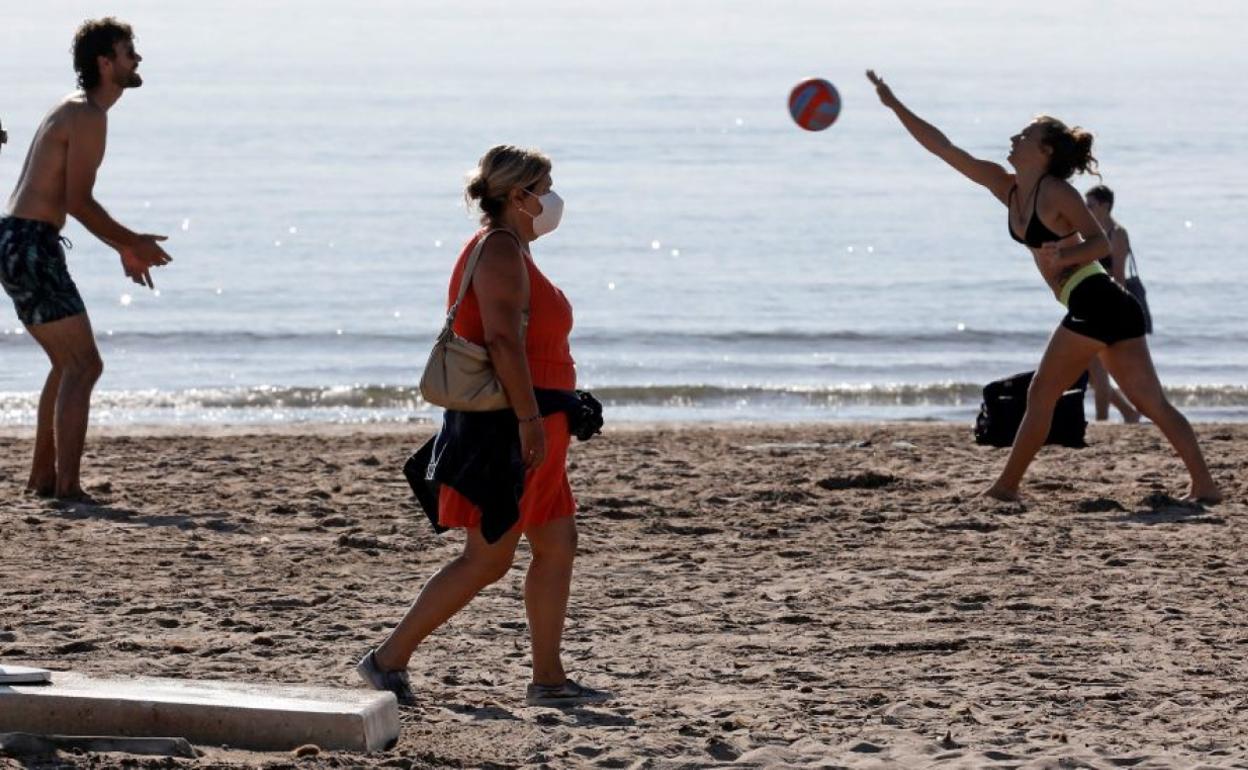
534	418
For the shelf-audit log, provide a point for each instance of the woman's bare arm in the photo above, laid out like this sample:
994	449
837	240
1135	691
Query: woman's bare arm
983	172
502	288
501	283
1070	205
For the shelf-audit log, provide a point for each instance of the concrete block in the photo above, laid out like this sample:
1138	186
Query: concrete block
24	675
25	745
246	716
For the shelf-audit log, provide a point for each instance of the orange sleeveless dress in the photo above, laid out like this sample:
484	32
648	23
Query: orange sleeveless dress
547	493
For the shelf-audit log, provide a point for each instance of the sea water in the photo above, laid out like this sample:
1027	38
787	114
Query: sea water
307	159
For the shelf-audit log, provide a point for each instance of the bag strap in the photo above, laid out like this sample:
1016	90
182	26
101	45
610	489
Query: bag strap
1132	270
473	259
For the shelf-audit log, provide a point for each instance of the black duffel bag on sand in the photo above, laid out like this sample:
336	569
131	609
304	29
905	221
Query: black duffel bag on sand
1006	400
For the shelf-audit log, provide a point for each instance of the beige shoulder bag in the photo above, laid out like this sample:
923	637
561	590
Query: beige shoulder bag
458	374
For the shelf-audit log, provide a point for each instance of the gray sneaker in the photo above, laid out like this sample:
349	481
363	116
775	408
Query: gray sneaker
391	681
567	694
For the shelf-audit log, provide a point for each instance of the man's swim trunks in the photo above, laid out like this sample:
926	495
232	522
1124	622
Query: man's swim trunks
34	273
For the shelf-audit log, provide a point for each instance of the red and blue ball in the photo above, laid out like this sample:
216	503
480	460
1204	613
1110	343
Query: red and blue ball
814	104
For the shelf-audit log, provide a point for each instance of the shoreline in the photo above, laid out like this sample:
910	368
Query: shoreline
387	429
624	427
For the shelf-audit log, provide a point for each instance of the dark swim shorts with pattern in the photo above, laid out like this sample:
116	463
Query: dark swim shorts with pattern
34	273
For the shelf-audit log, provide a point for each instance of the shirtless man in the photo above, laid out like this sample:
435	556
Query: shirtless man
56	181
1100	200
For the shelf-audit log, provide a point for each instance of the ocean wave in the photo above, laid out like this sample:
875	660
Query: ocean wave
754	341
626	336
675	397
261	397
692	396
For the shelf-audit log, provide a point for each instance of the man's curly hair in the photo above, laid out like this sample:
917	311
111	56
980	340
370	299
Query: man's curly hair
95	38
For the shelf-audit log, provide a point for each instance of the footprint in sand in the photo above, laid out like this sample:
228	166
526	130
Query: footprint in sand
863	480
1098	505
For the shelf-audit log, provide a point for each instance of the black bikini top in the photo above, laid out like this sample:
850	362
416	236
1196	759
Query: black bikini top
1037	233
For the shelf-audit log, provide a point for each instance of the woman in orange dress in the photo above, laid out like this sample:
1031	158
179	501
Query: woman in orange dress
512	186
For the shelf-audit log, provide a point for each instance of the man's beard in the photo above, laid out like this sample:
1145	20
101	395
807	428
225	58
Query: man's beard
133	80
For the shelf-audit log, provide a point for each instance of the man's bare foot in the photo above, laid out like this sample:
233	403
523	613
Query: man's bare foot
42	481
41	489
1002	494
77	496
1210	495
1130	416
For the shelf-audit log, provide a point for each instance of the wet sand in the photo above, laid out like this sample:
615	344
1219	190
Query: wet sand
805	596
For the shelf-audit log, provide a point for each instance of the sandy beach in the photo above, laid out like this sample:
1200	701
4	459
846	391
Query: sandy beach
812	596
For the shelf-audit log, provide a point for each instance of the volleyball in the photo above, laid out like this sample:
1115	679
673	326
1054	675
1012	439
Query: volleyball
814	104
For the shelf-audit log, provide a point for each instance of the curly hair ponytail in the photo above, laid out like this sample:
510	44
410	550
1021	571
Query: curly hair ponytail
1071	148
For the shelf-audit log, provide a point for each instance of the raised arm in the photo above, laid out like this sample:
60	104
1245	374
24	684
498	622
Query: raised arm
984	172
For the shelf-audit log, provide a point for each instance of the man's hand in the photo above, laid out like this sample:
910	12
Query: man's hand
136	269
147	250
138	260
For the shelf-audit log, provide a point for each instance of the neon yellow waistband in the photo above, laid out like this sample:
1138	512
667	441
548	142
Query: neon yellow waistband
1083	273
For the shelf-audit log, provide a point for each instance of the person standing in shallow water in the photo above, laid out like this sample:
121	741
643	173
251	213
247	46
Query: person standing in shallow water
1100	201
56	182
523	320
1049	216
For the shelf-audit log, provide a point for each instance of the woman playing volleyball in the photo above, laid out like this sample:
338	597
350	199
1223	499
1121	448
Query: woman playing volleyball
1049	216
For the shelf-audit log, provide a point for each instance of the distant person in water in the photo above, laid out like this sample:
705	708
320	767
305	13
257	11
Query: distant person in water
1049	216
1100	201
56	182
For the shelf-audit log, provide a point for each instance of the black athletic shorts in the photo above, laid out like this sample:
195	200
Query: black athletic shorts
1101	309
34	273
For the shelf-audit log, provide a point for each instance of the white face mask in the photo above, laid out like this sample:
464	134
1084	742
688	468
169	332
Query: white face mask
552	212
